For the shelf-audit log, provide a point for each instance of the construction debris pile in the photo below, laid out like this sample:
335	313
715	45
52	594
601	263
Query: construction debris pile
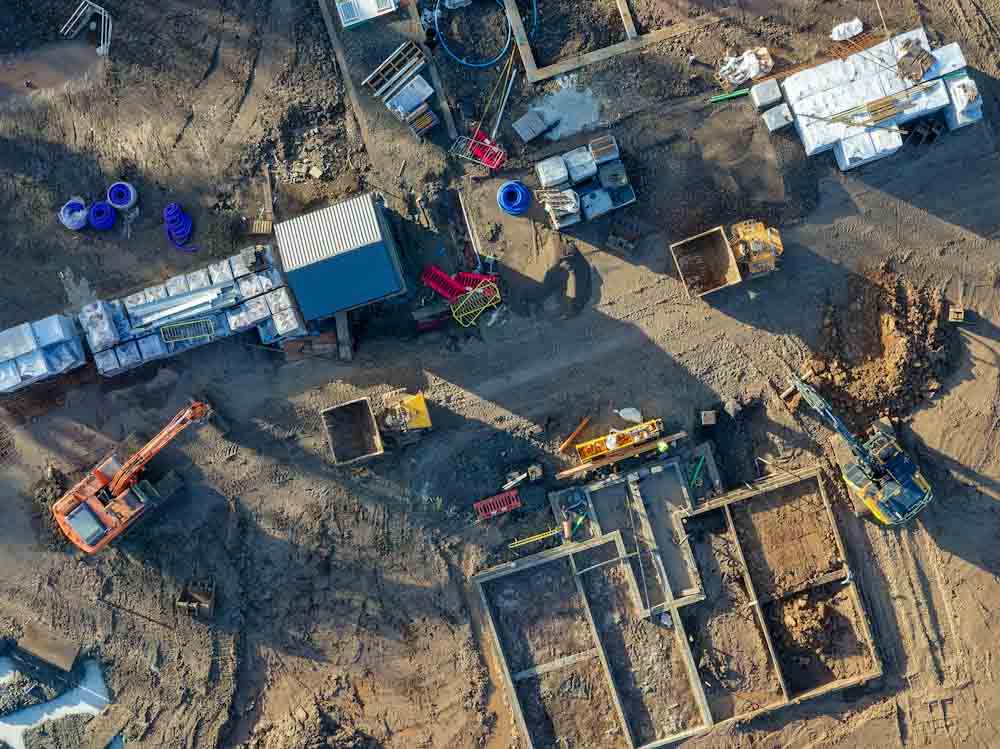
856	106
887	349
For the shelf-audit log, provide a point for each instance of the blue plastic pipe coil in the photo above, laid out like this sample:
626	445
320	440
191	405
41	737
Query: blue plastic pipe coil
122	196
178	226
514	198
73	214
101	216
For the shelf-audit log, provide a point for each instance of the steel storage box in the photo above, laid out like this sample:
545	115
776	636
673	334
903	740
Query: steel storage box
352	432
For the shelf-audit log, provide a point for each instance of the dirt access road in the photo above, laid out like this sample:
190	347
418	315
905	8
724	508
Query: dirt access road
344	616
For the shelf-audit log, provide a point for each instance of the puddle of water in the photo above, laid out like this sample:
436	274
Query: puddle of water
47	67
89	698
576	110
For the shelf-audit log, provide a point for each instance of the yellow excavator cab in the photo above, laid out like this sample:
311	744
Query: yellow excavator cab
757	247
415	409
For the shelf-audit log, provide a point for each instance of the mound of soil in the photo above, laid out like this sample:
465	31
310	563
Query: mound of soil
886	350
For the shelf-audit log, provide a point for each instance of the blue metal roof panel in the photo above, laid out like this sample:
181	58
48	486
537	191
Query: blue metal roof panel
347	280
328	232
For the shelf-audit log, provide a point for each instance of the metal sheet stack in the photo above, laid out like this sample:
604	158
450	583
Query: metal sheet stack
191	310
31	352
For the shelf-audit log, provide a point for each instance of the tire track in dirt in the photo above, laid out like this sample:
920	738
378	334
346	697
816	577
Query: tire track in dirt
931	655
980	26
276	43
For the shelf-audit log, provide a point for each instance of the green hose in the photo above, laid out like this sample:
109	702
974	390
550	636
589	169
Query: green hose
697	470
731	95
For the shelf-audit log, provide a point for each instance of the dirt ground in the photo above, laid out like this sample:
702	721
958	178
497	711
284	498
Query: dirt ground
539	616
645	660
887	348
815	637
729	648
572	705
345	617
787	539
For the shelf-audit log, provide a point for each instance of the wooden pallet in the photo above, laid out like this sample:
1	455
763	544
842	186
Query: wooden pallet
396	70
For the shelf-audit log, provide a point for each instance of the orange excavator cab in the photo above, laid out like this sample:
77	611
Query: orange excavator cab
113	496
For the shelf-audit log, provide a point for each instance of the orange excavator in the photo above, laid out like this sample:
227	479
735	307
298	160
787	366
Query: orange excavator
113	496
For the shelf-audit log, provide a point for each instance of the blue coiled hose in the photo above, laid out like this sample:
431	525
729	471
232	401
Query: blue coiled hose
73	214
514	198
178	227
101	216
506	45
122	196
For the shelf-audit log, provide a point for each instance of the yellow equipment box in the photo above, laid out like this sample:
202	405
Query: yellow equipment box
611	443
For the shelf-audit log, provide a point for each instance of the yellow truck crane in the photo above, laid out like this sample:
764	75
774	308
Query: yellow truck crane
881	478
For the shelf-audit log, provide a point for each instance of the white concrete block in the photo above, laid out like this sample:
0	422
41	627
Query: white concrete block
199	279
966	104
32	366
765	94
552	171
777	118
866	147
814	80
52	330
947	59
107	362
128	355
925	102
581	164
177	285
10	378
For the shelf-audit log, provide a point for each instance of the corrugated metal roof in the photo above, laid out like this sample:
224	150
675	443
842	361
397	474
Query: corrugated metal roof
349	280
328	232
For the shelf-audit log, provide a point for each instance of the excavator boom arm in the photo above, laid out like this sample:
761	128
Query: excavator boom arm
128	473
820	406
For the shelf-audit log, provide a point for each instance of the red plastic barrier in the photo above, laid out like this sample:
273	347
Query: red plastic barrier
501	503
442	283
471	280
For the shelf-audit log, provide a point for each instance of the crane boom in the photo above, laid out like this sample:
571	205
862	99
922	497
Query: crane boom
133	467
820	406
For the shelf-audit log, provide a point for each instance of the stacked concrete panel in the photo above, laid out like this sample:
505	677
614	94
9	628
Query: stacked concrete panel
231	294
40	350
817	95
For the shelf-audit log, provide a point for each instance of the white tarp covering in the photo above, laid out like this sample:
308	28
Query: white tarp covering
966	103
847	30
831	90
16	341
97	321
89	697
865	147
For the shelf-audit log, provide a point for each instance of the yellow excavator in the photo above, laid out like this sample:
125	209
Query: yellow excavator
881	478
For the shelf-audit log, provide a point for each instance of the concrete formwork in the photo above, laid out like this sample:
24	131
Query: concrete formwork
650	540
